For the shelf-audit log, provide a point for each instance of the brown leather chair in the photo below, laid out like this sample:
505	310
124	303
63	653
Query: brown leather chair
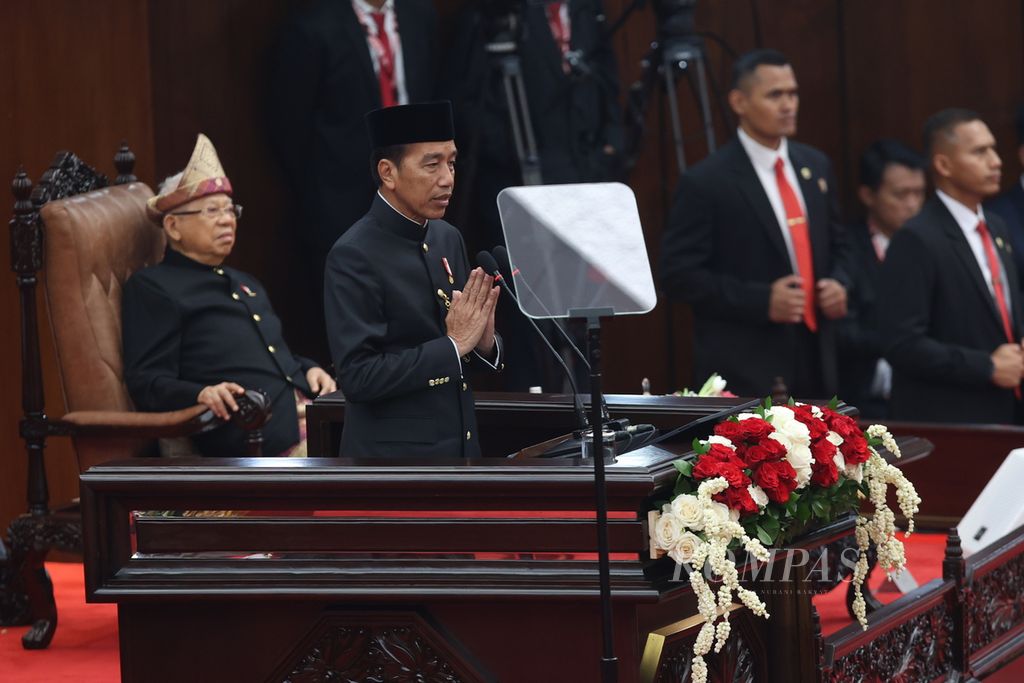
87	239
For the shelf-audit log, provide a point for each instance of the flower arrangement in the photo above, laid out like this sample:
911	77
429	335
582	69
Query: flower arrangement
762	478
713	387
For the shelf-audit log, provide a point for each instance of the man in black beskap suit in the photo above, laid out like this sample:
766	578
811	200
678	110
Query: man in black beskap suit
755	247
406	318
949	290
892	190
325	79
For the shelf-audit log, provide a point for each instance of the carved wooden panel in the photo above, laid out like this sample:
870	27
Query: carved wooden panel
995	604
920	649
734	664
379	647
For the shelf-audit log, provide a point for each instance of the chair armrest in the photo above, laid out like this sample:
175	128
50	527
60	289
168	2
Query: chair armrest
253	412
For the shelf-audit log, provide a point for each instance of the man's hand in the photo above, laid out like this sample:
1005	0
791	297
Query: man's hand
786	302
485	347
220	398
472	312
1007	366
832	298
320	382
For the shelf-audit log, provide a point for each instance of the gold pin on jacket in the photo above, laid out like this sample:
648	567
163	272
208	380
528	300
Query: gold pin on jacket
805	173
443	296
448	270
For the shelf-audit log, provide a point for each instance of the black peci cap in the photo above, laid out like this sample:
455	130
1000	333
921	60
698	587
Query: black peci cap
409	123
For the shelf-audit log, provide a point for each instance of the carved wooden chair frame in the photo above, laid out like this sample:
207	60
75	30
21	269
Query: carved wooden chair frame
26	593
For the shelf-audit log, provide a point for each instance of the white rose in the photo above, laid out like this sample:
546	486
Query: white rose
855	472
797	431
720	440
816	411
834	439
800	458
723	513
667	530
758	494
685	548
745	416
781	415
717	385
688	510
786	442
839	460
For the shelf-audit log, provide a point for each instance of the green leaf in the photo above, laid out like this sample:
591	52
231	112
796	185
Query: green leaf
764	536
698	447
803	511
834	403
791	402
772	526
685	467
683	485
820	508
767	402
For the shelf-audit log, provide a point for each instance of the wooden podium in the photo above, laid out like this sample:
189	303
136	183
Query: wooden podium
329	569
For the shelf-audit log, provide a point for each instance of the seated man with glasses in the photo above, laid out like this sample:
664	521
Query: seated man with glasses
197	331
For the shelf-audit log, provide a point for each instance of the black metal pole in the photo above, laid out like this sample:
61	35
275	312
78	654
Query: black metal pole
609	663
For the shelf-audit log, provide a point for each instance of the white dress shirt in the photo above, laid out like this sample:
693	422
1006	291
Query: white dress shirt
363	10
968	221
763	158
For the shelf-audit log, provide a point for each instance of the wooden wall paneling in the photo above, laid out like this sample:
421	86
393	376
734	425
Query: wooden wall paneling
77	78
910	59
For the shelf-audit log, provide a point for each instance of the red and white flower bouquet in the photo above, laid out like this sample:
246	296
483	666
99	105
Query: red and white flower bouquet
764	477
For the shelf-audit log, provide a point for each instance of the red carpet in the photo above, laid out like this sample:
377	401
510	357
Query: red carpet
84	649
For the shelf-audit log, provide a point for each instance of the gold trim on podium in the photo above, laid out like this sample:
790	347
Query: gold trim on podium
656	640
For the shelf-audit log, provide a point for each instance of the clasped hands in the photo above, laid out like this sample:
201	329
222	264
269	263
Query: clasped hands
786	302
470	320
220	398
1007	366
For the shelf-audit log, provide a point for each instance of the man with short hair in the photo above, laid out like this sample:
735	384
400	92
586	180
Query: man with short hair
755	247
949	302
197	331
892	190
405	315
1010	203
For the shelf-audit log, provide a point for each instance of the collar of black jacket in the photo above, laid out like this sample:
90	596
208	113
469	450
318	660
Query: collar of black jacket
392	221
176	258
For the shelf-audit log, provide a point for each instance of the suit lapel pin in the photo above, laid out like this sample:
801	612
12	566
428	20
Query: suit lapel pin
805	173
999	241
448	269
822	185
444	297
245	288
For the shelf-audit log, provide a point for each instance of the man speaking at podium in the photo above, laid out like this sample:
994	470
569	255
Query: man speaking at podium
406	318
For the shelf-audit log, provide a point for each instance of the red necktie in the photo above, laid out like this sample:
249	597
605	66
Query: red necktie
559	30
997	280
997	286
801	242
385	62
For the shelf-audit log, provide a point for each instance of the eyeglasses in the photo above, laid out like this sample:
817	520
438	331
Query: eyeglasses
213	212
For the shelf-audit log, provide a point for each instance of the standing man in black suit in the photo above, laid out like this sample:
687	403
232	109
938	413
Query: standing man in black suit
892	190
336	61
406	318
755	247
949	292
1010	203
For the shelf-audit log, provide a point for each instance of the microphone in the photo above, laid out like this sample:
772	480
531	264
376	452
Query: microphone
490	266
501	253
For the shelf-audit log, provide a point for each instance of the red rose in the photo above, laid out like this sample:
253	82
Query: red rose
738	499
731	430
777	450
816	426
855	449
755	429
757	454
778	479
823	451
824	473
843	425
